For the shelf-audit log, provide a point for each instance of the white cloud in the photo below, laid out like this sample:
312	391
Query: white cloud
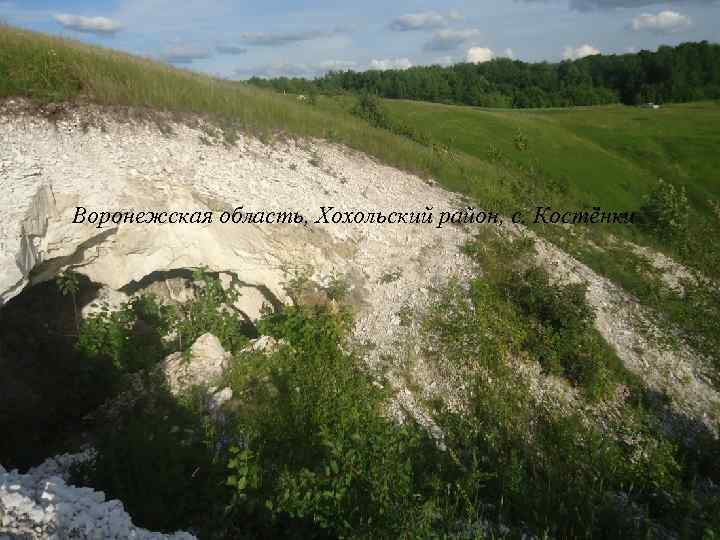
663	23
336	65
391	63
88	25
225	48
428	20
276	39
509	53
478	55
455	15
183	53
579	52
449	39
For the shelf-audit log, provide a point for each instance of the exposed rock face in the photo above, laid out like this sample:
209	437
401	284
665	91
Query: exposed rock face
47	171
206	362
40	505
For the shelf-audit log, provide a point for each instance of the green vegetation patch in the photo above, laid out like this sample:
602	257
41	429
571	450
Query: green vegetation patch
305	448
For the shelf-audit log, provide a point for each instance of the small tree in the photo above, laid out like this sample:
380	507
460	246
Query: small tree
665	211
69	284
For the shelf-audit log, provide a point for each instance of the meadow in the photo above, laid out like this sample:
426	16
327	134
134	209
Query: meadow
612	154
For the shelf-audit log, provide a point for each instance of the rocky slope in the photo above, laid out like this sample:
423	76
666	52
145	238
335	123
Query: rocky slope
40	505
112	161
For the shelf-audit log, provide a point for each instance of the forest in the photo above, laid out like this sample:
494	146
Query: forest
688	72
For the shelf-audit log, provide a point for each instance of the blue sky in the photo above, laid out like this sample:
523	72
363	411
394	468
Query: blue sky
240	38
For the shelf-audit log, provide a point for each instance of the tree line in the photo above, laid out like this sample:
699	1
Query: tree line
687	72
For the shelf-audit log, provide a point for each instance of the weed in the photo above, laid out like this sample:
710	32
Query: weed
390	277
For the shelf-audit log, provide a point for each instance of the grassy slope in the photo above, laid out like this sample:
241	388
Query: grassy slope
49	69
612	154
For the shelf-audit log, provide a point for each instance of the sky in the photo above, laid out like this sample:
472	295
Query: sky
237	39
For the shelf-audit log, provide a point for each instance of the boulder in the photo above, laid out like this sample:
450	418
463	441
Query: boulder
206	361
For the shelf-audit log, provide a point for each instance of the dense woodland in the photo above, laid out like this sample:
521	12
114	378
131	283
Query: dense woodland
688	72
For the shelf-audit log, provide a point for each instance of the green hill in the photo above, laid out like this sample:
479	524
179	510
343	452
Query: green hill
613	155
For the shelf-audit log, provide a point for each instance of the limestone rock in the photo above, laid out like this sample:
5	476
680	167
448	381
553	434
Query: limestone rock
219	397
264	344
40	504
207	361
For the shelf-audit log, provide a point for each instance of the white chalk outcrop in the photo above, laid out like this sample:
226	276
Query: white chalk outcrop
47	170
40	505
206	361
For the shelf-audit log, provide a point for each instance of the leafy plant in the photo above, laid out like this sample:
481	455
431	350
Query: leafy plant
665	211
131	337
212	311
520	140
69	285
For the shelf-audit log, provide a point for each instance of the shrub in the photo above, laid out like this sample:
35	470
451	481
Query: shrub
665	211
309	451
560	330
211	311
370	108
132	337
319	452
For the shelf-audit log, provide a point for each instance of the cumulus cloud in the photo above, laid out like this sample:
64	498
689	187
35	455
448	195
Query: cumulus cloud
225	48
183	53
664	22
428	20
478	55
509	53
284	38
449	39
391	63
88	25
582	51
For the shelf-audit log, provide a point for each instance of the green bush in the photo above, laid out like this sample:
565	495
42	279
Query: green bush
370	108
561	335
211	311
132	337
319	452
665	211
552	322
520	464
307	449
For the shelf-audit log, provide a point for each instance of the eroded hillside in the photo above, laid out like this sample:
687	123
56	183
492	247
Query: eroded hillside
409	327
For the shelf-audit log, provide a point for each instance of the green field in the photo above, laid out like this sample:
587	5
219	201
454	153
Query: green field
613	155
